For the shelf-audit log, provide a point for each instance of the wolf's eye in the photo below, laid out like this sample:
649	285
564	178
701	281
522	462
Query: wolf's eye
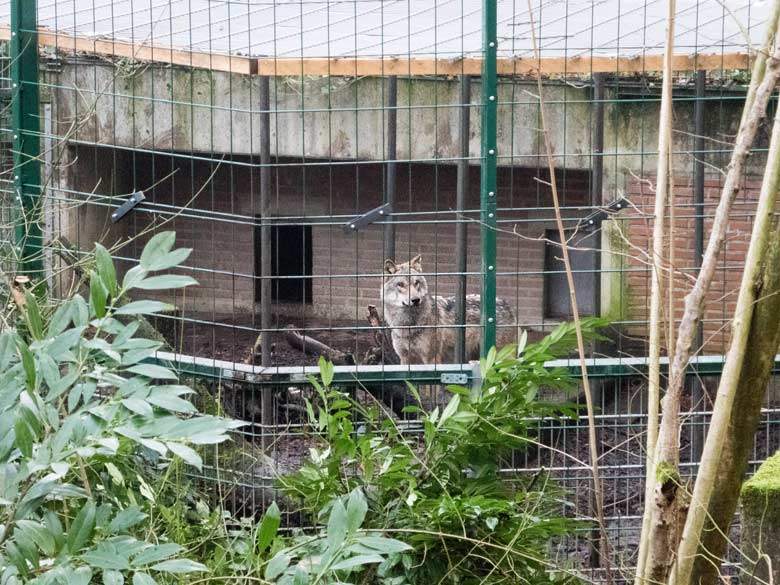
400	285
417	283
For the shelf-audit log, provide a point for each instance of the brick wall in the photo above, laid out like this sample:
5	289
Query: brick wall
722	296
222	199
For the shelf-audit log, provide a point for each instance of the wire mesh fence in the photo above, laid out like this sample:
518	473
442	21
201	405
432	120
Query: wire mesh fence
296	147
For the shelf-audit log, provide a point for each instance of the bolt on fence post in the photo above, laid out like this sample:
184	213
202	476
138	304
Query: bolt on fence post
25	120
488	191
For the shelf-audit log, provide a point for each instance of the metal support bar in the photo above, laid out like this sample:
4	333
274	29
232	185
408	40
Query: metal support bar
266	403
392	167
418	374
597	175
698	433
461	227
594	220
25	99
488	184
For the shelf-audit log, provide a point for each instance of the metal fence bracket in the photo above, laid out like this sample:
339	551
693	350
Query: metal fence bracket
367	218
456	379
127	206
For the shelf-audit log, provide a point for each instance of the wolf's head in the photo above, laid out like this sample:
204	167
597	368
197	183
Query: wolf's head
404	284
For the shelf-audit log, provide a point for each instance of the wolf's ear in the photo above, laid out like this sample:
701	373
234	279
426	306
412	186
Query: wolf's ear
390	267
416	263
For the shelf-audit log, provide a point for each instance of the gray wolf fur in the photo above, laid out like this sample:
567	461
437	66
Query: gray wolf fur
419	320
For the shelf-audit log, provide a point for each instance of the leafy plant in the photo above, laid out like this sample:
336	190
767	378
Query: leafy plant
442	490
338	553
86	418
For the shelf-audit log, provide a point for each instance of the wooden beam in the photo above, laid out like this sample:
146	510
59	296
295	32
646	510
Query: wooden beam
351	67
506	66
142	52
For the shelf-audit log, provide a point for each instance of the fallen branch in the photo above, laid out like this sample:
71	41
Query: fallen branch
311	346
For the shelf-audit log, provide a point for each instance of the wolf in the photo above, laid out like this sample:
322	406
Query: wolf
422	324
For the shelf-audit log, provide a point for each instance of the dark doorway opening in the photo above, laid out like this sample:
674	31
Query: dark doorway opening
291	263
557	304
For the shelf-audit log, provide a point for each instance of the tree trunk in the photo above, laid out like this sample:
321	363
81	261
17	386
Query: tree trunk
763	341
749	293
660	533
654	350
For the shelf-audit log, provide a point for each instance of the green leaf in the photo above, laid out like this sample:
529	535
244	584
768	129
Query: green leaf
33	315
143	308
156	249
106	270
97	295
326	371
277	565
38	534
54	528
156	553
28	362
60	320
143	579
356	510
133	276
337	525
81	576
187	453
82	526
268	527
34	497
138	406
357	561
170	402
385	545
152	371
449	410
113	578
171	259
106	557
24	437
179	566
126	518
165	282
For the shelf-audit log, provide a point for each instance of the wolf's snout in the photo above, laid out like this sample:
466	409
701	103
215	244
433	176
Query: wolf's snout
416	302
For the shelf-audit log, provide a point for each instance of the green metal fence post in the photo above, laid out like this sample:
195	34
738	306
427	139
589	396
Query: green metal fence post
25	115
488	191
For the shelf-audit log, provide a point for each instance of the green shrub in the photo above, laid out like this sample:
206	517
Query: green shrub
442	490
87	422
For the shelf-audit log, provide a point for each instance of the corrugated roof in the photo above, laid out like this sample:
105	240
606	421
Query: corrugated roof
442	29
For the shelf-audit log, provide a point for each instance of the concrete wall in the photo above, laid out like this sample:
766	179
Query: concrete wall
212	113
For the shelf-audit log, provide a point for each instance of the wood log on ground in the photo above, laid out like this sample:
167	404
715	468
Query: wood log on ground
382	352
311	346
395	395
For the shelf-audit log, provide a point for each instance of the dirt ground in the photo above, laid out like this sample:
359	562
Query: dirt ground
233	340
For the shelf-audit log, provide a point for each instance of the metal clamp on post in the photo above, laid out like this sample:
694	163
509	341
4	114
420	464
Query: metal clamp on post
127	206
367	218
594	219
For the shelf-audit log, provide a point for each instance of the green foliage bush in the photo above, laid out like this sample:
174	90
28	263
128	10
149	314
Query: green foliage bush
443	491
85	422
95	436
